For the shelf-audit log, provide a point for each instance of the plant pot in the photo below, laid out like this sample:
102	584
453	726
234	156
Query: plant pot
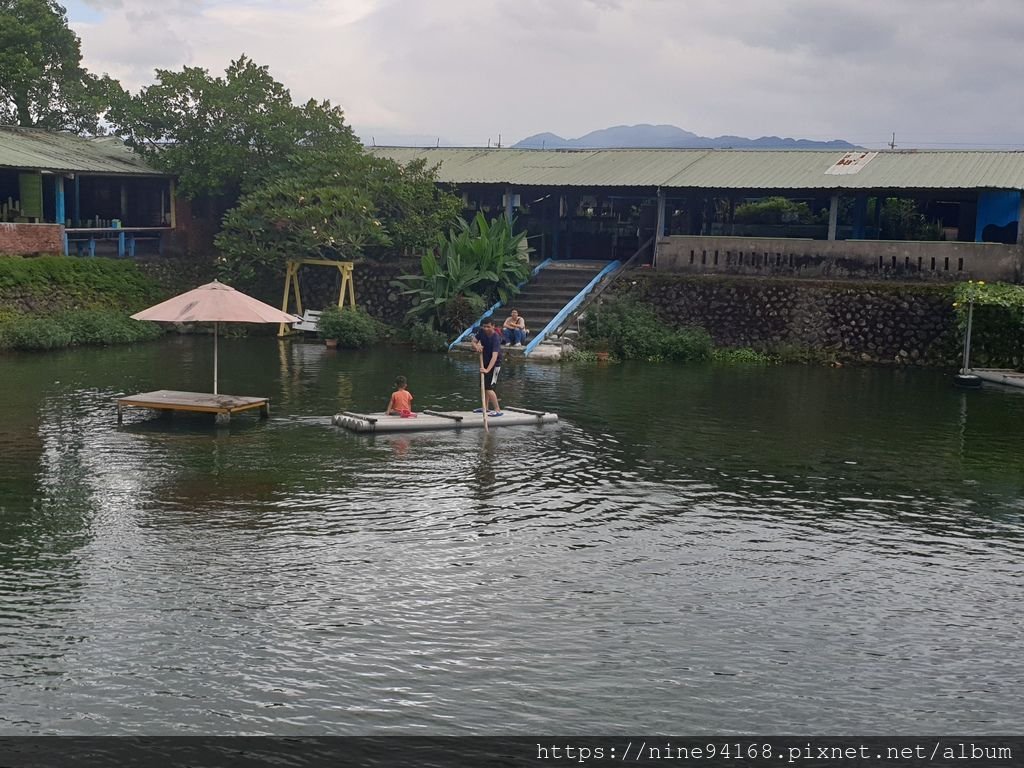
331	343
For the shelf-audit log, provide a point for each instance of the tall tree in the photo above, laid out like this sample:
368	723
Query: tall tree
42	81
218	133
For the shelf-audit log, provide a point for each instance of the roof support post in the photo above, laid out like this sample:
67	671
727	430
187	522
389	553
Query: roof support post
508	204
171	197
59	212
833	217
860	214
58	190
659	227
1020	221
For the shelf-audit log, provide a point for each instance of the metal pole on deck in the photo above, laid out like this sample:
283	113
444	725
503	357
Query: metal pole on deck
215	334
965	378
967	338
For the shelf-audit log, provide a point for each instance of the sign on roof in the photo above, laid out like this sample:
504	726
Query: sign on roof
850	163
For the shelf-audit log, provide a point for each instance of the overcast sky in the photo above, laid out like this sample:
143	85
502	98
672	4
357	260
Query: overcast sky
938	73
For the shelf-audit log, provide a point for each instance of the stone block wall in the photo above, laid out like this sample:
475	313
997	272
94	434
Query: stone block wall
852	321
376	295
373	289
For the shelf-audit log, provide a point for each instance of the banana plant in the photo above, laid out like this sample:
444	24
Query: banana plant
442	282
477	259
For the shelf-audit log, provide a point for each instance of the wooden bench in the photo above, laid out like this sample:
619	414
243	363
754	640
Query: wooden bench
310	321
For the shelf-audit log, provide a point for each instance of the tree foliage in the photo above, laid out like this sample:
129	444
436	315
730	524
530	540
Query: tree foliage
773	210
42	81
998	321
334	203
219	134
1005	296
902	220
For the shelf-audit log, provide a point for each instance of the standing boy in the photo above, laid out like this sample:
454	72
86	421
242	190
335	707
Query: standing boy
487	341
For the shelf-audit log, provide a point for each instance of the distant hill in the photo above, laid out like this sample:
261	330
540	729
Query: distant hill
669	136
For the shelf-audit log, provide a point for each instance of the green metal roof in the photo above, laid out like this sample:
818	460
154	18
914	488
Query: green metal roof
33	149
720	168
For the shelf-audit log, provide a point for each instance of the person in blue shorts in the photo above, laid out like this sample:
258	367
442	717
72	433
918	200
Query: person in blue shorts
487	341
514	330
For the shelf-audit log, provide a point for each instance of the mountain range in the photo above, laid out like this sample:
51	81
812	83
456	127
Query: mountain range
669	136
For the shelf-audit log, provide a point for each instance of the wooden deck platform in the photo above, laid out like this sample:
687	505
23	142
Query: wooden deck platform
167	400
427	420
1007	376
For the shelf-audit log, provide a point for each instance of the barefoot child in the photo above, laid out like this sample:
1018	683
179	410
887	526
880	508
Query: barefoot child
401	400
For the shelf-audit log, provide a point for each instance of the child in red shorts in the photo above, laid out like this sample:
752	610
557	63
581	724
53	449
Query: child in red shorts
401	400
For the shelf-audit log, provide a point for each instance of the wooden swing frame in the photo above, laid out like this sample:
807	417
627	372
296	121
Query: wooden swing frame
291	285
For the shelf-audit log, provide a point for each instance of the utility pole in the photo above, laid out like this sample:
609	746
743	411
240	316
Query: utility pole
892	144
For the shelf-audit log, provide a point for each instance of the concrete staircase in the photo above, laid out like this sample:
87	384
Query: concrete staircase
545	296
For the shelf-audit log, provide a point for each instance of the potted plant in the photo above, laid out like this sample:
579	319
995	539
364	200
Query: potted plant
330	325
600	348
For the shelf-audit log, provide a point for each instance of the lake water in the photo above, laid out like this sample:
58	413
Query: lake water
693	549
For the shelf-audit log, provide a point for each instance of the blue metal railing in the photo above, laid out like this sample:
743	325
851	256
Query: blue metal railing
496	307
569	308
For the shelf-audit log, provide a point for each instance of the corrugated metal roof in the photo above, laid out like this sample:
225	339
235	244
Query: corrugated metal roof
553	167
30	148
718	168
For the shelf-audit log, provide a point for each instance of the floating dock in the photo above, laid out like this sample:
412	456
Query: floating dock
433	420
167	400
1007	376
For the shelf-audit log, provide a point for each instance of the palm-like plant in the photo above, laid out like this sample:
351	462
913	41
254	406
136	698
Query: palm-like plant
475	260
496	251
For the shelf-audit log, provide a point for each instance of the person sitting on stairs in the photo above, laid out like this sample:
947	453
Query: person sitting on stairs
514	329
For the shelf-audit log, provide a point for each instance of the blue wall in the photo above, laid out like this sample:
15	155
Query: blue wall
999	212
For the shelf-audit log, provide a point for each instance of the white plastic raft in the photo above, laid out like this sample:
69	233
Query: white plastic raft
431	420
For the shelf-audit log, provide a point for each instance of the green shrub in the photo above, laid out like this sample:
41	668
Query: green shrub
353	328
580	356
741	356
37	333
793	353
329	324
631	331
74	328
426	339
687	345
102	327
82	282
461	312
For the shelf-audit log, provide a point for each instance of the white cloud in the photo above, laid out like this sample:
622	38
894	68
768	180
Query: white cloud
466	70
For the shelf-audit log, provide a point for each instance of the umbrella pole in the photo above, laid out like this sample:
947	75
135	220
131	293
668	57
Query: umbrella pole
215	334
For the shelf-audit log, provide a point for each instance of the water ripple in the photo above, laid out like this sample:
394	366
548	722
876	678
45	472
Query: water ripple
836	549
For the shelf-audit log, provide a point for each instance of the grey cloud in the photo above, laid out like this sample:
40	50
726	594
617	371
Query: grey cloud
467	69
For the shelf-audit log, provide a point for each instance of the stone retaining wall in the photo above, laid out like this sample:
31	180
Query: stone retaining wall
376	295
868	322
373	289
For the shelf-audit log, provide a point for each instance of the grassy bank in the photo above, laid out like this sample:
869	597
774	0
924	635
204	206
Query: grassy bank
51	302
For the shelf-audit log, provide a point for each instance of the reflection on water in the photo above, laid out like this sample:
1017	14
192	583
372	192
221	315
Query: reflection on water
692	549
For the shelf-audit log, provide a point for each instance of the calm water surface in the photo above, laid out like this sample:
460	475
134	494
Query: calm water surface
693	549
